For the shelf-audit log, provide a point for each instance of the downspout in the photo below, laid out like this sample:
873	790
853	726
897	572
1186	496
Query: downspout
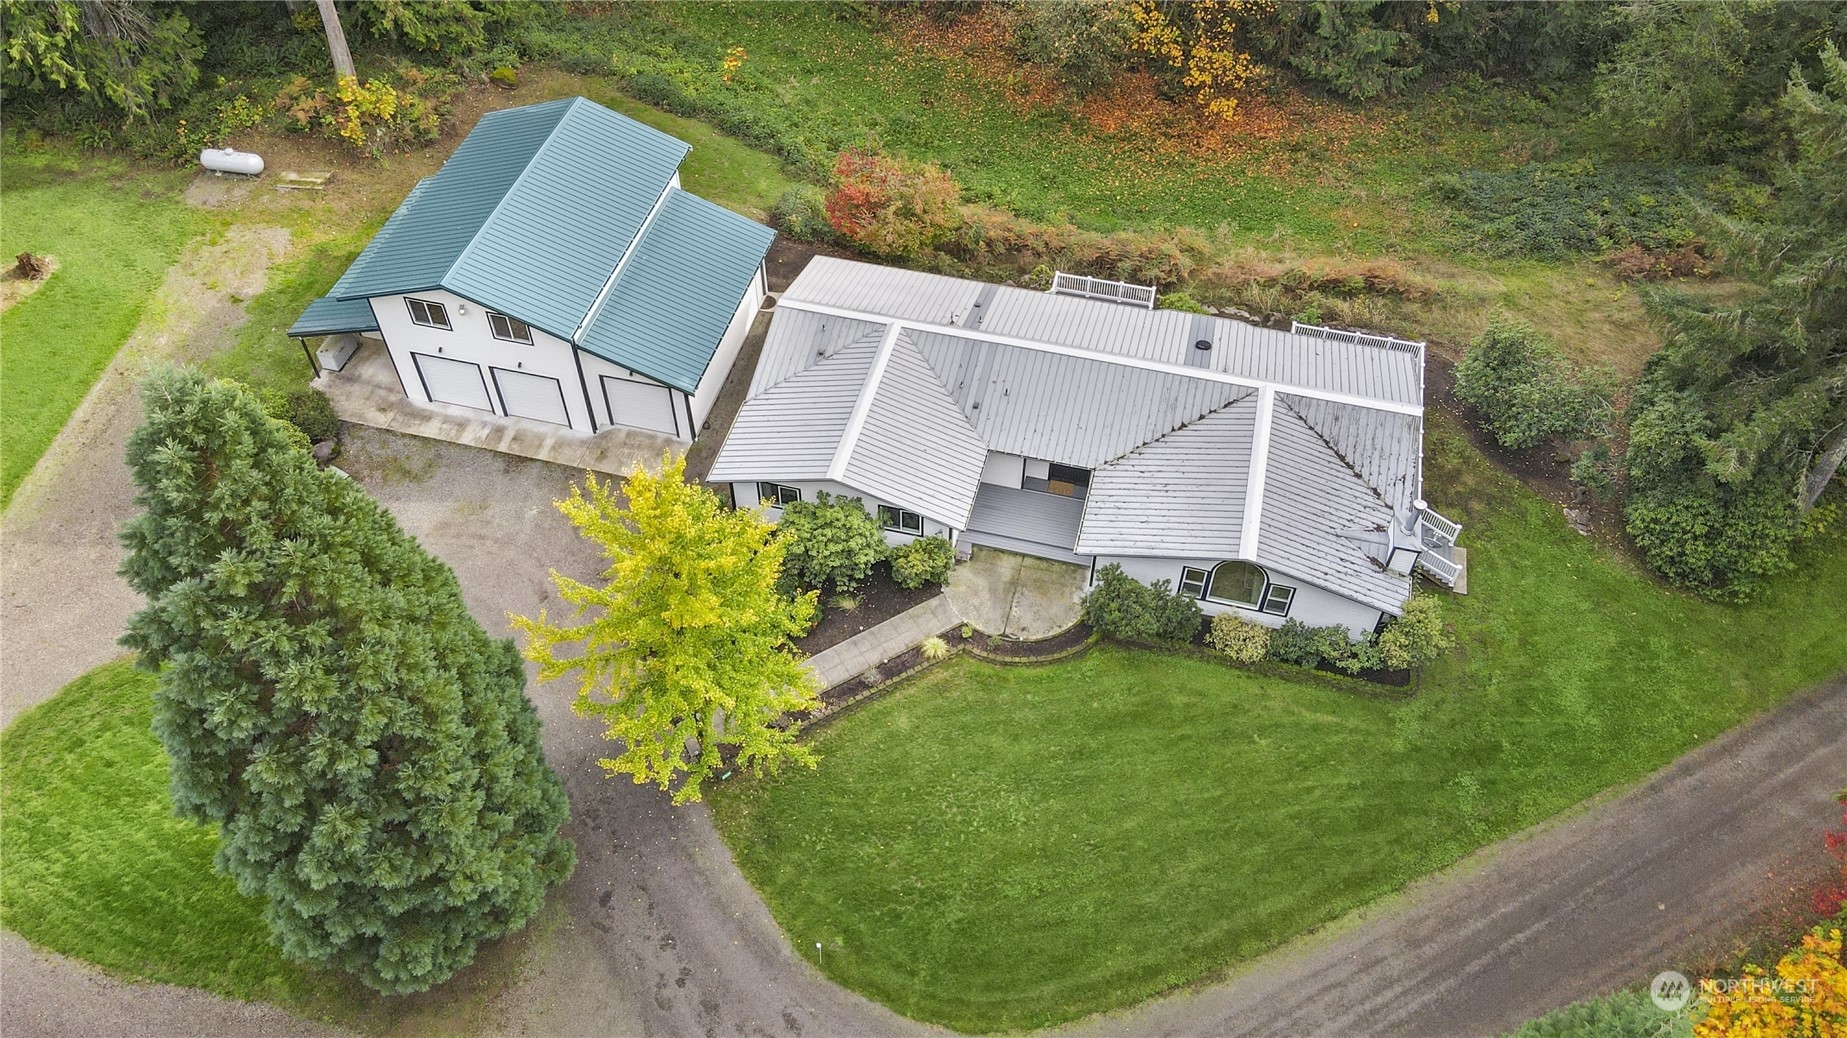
577	361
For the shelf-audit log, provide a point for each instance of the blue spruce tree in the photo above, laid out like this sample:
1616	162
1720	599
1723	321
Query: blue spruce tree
365	749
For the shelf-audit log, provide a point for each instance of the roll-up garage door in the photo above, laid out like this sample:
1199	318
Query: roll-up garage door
525	395
453	381
641	405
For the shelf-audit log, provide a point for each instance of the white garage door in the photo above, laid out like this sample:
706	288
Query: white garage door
641	405
453	381
525	395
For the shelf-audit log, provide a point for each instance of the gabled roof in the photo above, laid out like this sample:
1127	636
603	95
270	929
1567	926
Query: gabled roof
1289	449
529	216
535	213
678	290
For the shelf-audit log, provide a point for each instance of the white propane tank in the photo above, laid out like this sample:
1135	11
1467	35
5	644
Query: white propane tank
230	160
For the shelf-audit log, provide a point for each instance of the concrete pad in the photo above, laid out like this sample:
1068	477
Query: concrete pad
1008	595
367	392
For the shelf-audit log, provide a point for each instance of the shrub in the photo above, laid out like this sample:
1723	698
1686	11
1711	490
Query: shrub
934	648
1084	44
801	213
1417	637
1122	607
891	208
1556	209
505	77
374	116
308	409
1238	638
1181	301
1296	642
924	561
1519	384
829	542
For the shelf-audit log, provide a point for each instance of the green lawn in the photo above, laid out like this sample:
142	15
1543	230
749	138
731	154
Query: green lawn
114	231
93	863
996	848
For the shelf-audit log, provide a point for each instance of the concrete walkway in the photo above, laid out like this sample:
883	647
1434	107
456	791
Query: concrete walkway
1008	595
367	392
870	648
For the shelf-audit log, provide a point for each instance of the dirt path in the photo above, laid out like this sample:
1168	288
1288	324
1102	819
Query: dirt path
1639	883
61	605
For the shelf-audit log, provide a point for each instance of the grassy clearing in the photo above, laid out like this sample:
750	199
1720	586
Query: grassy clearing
114	232
996	848
94	865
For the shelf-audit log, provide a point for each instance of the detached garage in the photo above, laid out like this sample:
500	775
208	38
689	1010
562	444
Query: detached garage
553	271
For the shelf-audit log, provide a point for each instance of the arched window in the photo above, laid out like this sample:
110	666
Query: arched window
1239	583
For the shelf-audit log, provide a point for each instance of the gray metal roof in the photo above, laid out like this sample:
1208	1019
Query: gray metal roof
1310	500
1300	360
678	290
330	316
914	446
1180	495
794	427
1071	410
1170	441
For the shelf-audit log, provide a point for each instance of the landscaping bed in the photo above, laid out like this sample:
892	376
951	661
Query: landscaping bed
876	601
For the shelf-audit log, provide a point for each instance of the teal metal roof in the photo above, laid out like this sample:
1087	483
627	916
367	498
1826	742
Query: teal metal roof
529	216
330	316
677	293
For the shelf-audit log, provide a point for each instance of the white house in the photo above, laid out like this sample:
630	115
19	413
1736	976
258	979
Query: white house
1273	474
554	270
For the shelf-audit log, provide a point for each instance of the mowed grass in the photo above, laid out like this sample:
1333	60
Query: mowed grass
114	231
94	864
998	848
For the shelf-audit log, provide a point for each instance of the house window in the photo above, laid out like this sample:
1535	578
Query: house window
511	329
1236	583
900	520
1193	582
428	314
777	494
1277	598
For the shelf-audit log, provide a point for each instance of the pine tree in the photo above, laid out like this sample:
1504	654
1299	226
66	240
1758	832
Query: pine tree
365	749
689	642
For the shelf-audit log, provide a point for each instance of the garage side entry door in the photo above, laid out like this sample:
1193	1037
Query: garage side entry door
641	405
525	395
453	381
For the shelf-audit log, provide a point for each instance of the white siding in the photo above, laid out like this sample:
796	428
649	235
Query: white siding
469	340
745	496
1314	606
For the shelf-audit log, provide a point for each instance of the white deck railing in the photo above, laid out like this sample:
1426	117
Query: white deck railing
1098	288
1441	567
1357	338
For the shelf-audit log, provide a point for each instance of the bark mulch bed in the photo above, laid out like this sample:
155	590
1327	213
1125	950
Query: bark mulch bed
879	599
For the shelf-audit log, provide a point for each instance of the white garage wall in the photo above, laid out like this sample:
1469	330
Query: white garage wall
595	368
745	494
713	381
470	340
1314	606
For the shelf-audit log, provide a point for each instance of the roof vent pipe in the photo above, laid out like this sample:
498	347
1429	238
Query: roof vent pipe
1203	344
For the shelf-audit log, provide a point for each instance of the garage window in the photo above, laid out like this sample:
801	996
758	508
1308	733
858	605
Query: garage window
512	329
428	314
1193	582
1276	599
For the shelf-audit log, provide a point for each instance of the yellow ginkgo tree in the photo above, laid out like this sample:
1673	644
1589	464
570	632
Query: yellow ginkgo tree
684	647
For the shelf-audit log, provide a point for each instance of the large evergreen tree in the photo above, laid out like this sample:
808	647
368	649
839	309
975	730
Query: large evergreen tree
364	747
1740	421
686	648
